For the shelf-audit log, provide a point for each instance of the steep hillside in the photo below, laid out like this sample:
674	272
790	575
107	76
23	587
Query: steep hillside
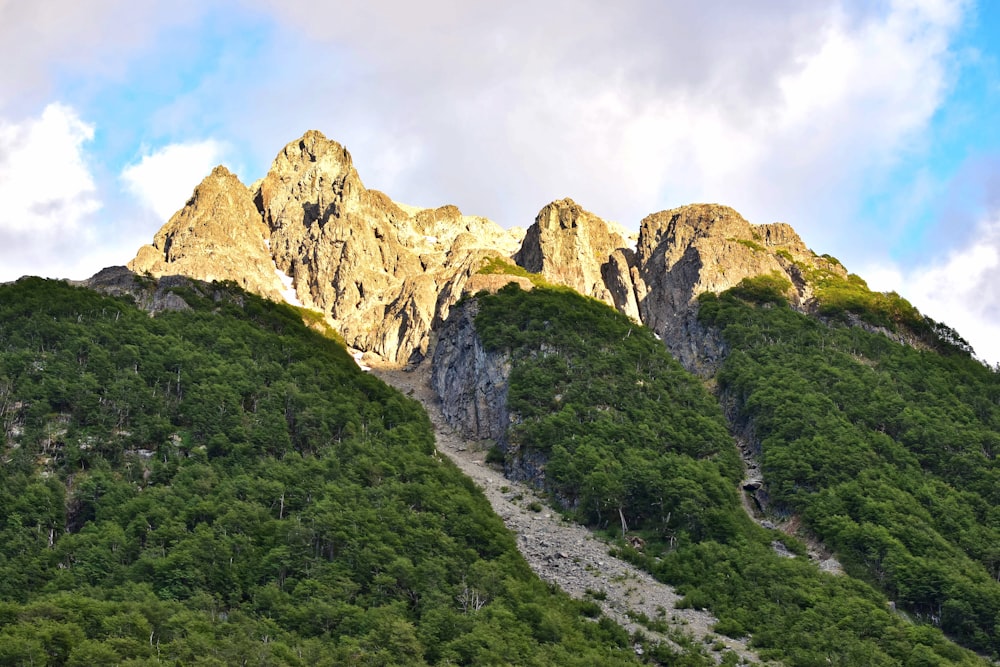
863	422
600	416
888	453
220	485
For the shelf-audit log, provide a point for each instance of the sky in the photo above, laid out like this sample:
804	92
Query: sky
873	127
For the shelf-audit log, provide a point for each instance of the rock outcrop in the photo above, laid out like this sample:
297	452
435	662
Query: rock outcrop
382	273
700	248
386	275
153	296
470	382
217	235
569	246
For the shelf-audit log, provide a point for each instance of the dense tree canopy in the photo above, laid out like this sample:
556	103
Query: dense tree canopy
887	451
628	435
224	486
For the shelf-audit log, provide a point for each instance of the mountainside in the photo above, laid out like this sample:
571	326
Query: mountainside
599	415
220	485
869	429
386	275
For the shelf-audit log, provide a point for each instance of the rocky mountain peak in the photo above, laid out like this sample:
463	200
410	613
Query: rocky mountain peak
382	273
568	245
386	274
686	251
218	235
676	230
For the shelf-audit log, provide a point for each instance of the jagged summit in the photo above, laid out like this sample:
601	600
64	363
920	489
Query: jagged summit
217	235
312	232
386	274
568	245
686	251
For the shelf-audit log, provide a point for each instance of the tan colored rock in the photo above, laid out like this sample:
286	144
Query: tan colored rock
568	246
386	275
617	274
217	235
383	272
493	282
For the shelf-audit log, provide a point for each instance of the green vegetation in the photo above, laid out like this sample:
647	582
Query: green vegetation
753	245
501	266
627	436
839	297
888	453
224	486
589	387
772	288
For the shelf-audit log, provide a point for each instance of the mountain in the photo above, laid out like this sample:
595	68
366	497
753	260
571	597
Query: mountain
812	461
386	274
382	272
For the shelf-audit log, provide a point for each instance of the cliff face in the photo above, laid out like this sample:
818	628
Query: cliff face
680	254
386	274
471	382
569	246
700	248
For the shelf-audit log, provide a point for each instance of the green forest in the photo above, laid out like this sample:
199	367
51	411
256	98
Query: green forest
224	486
888	452
633	442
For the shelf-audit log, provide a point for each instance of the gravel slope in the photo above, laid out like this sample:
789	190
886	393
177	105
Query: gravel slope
560	551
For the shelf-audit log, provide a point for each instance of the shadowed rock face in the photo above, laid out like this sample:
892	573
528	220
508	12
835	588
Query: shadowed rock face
471	382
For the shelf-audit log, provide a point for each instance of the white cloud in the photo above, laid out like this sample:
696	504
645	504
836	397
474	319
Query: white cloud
46	187
785	110
163	180
962	289
43	40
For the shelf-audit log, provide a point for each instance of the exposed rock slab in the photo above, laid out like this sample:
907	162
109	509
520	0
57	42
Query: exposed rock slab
568	246
470	382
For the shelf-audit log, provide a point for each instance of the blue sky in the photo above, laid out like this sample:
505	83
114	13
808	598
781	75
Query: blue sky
871	127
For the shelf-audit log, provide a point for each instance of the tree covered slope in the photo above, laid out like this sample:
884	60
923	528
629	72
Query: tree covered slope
887	452
630	438
224	486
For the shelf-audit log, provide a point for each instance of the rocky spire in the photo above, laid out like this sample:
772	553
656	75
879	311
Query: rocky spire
568	246
217	235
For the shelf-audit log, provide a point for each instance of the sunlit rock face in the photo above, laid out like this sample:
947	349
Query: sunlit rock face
386	275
